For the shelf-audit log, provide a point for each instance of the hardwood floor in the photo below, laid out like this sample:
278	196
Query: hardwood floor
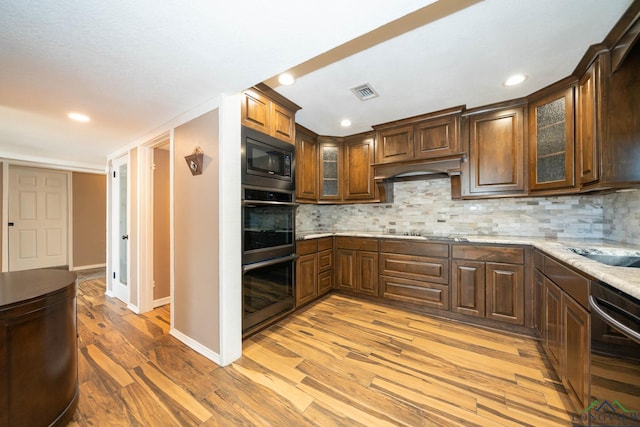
340	362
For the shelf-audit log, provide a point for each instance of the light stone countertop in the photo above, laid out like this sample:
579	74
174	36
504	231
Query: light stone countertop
626	279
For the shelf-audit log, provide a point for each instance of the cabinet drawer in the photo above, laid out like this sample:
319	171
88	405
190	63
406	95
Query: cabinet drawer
305	247
357	243
325	282
508	254
415	292
415	267
408	247
568	280
325	243
325	260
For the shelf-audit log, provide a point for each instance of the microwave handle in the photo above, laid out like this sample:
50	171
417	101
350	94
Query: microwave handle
249	267
250	203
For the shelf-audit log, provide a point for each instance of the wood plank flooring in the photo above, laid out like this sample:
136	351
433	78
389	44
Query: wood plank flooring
340	362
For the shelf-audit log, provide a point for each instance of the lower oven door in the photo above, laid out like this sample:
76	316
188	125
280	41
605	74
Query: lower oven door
267	290
615	358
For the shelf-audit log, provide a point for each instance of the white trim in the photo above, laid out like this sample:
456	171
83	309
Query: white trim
69	219
134	308
230	275
144	225
5	216
195	345
108	245
46	163
171	227
109	293
87	267
161	301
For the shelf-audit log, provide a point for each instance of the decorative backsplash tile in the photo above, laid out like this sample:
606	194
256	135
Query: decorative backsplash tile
622	217
425	206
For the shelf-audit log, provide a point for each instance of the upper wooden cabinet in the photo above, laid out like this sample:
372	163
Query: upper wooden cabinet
335	170
427	136
358	157
265	110
551	138
588	123
306	165
496	149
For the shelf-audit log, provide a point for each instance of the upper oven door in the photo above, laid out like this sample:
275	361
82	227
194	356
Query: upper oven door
268	226
266	161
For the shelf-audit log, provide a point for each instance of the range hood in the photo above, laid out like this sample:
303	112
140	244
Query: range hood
415	169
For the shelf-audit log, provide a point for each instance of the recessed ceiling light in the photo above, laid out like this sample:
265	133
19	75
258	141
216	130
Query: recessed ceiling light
345	123
79	117
286	79
516	79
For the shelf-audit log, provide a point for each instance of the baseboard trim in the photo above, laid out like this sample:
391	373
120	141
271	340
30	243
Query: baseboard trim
196	346
161	301
87	267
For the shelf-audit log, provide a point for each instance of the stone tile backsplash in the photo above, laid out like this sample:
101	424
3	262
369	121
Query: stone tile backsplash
622	217
425	206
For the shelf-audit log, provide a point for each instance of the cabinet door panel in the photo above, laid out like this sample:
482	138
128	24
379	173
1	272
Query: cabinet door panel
358	157
505	292
538	303
422	293
282	123
468	287
395	145
587	119
415	267
437	137
306	278
306	167
552	322
551	142
496	152
330	170
367	273
345	269
255	111
576	342
325	260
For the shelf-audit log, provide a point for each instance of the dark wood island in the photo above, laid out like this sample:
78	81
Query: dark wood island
38	348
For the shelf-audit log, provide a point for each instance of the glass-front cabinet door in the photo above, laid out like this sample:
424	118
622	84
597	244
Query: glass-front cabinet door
551	141
330	169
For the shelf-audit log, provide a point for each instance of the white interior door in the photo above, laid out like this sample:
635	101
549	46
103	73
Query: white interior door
38	218
120	230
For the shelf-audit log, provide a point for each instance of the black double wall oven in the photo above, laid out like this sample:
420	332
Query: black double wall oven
268	228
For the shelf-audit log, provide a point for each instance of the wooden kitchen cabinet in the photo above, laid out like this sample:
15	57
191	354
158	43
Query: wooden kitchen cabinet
265	110
488	281
356	265
415	272
314	269
306	165
359	155
496	150
330	169
566	325
551	138
427	136
576	323
589	121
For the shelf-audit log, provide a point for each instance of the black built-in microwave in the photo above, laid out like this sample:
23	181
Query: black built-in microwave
267	162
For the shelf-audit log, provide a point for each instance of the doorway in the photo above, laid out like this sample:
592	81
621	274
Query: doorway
161	224
120	229
38	218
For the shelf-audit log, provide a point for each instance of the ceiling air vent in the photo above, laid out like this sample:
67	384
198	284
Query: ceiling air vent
364	92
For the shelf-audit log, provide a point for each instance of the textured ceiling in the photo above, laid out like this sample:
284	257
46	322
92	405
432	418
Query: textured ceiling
135	65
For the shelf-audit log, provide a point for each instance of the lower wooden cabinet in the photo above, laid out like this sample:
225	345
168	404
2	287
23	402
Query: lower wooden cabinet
566	326
483	288
357	265
314	269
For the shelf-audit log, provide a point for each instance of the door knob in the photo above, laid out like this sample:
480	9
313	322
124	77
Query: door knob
125	237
